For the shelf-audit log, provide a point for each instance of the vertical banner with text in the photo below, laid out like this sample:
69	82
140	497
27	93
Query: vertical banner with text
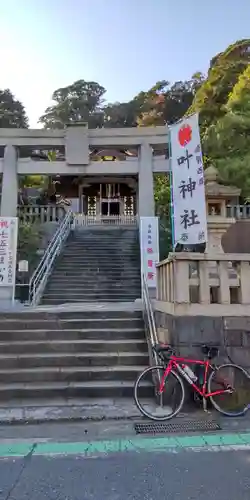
8	249
149	243
188	190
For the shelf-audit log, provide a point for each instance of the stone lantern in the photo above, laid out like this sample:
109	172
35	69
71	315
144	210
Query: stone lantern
218	197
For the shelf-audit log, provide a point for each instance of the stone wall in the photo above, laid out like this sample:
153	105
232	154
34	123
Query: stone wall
189	333
237	237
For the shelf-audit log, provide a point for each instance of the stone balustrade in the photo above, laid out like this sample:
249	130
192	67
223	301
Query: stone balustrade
238	211
195	284
39	214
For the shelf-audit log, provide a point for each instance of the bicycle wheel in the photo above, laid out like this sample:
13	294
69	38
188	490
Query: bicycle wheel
235	403
154	405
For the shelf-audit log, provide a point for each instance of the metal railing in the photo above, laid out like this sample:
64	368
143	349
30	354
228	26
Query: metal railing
149	320
39	277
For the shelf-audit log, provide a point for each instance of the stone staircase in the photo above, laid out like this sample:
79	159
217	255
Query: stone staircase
70	354
93	350
96	265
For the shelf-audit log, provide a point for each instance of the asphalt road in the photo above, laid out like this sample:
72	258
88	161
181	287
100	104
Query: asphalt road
182	475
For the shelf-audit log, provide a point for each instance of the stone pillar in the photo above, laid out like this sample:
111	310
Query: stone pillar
9	183
146	206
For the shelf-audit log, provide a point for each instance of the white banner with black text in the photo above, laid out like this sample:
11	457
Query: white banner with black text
188	190
149	243
8	249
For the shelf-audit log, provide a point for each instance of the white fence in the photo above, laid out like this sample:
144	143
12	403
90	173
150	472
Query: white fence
81	220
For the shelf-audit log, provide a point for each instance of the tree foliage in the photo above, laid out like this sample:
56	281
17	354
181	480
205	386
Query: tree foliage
28	244
227	141
83	101
79	102
12	112
225	70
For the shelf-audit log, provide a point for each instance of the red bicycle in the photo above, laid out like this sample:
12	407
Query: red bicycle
160	392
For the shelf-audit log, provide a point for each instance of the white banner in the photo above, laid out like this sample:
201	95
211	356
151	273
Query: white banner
8	248
149	242
188	191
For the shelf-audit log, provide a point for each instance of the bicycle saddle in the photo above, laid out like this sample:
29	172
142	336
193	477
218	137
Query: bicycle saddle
210	351
163	348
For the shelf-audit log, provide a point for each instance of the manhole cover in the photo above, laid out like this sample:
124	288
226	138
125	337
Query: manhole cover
177	427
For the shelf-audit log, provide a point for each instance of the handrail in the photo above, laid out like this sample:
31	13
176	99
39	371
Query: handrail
39	277
147	306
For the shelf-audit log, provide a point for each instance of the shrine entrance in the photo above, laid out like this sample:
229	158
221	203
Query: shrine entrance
110	207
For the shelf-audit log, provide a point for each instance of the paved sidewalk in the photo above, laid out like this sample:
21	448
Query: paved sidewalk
72	410
111	411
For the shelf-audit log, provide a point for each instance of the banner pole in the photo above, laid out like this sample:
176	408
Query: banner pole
171	190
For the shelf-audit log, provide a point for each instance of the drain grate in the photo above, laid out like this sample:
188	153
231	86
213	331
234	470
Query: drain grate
177	427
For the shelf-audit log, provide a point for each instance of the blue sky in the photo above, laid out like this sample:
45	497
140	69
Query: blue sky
125	45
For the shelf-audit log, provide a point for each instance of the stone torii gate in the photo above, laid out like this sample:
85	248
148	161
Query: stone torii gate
76	141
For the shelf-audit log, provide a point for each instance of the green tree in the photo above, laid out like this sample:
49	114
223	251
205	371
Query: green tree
225	70
162	195
120	114
227	141
79	102
12	112
165	104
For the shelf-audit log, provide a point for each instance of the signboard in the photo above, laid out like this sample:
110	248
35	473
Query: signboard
188	191
23	266
149	240
74	205
8	248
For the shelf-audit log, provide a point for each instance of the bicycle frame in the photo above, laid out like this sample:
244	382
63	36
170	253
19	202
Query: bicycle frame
175	361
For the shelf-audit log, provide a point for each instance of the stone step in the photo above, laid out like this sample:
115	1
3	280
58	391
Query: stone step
104	261
116	245
123	277
78	325
54	301
80	284
99	246
124	246
54	289
101	253
93	343
93	297
83	243
95	272
70	374
73	315
71	324
114	265
78	359
91	286
104	235
86	299
120	271
91	294
95	277
85	270
82	274
93	389
117	237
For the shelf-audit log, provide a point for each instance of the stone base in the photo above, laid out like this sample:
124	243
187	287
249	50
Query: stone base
188	333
